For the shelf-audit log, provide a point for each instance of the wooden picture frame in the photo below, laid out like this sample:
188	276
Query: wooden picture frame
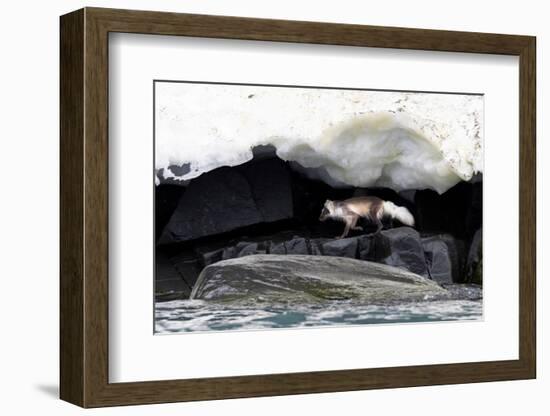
84	207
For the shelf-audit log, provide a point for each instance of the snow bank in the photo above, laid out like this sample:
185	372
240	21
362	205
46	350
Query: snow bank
344	137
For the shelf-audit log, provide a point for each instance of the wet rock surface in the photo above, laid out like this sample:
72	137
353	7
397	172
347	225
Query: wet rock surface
306	278
464	291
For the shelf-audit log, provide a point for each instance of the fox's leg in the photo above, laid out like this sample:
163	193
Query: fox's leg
379	225
348	220
354	224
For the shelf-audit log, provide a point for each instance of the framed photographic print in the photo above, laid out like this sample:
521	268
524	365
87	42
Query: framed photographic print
255	207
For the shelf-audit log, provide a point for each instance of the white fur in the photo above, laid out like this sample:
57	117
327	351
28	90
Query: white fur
336	213
400	213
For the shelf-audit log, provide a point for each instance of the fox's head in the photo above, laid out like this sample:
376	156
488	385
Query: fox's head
327	210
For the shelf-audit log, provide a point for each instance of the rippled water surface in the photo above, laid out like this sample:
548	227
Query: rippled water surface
197	315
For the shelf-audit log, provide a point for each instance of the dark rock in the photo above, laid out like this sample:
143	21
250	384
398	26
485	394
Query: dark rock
457	251
302	279
226	199
277	248
166	201
297	245
172	175
168	280
474	214
408	194
215	202
241	249
316	245
264	151
230	253
180	170
445	258
269	181
406	250
366	248
166	176
164	268
438	260
188	266
373	247
262	247
246	249
346	247
457	211
474	262
209	257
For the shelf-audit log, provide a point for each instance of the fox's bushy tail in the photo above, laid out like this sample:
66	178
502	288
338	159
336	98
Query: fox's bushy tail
400	213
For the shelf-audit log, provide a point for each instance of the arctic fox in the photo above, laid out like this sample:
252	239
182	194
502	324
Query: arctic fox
369	207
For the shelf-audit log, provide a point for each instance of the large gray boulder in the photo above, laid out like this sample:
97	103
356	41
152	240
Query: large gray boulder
406	251
306	278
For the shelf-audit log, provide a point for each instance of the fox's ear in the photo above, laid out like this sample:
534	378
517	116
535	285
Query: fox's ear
328	202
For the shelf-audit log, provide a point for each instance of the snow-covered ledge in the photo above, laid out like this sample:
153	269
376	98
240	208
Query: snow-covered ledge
399	140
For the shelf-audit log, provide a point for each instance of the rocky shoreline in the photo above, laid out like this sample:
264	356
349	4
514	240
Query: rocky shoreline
439	258
265	208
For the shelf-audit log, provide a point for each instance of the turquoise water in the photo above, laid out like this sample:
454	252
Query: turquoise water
198	315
